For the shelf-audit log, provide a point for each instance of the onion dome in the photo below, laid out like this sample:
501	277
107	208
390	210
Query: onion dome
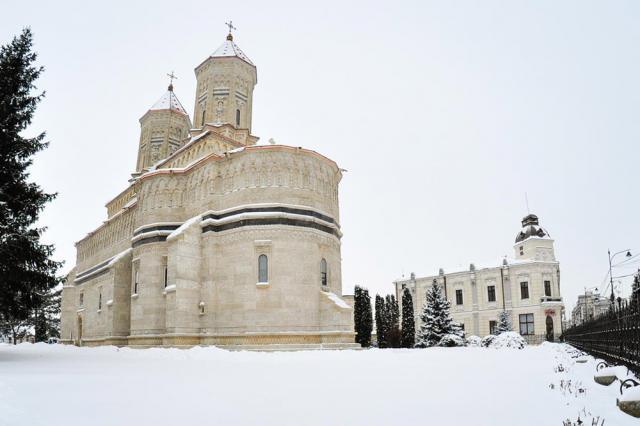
531	228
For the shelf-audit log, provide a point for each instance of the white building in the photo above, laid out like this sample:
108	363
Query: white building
527	286
588	306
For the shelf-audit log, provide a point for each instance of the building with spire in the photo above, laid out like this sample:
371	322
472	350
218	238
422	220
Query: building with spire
216	239
527	286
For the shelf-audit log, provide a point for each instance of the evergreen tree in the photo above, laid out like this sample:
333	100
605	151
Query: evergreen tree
380	322
635	289
392	316
408	320
363	322
27	272
436	320
504	322
47	317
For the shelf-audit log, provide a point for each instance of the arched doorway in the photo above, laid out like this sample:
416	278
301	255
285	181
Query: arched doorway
79	331
549	328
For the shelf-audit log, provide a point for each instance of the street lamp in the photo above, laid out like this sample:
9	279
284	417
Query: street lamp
613	298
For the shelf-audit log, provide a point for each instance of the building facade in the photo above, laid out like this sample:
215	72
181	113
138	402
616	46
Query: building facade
589	305
216	240
527	287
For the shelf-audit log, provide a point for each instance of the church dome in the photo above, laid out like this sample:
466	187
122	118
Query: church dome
230	49
531	228
169	101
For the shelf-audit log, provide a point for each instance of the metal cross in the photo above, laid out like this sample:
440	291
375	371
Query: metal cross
230	25
171	77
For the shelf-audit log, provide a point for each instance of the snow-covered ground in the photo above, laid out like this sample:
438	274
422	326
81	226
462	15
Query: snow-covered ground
63	385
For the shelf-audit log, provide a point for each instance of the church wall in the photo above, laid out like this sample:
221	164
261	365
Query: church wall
148	303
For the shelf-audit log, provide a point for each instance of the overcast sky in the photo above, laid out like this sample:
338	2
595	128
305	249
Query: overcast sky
444	114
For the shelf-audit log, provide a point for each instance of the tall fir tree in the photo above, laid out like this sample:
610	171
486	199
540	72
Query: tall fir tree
504	322
380	322
436	319
392	316
363	321
47	316
27	272
408	320
635	289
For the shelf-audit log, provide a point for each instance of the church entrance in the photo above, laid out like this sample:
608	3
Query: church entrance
79	343
549	328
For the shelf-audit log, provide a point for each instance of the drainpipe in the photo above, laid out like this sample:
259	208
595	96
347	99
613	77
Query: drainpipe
444	278
502	285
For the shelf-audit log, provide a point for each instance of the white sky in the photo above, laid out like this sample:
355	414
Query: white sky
443	113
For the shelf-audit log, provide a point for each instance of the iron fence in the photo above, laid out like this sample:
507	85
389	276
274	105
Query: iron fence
613	336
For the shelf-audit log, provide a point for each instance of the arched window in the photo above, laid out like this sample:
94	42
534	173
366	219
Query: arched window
263	269
203	112
323	272
237	117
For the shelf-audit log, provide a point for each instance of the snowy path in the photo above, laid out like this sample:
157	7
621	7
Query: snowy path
58	385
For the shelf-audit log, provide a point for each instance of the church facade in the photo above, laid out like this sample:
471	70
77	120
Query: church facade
216	240
526	286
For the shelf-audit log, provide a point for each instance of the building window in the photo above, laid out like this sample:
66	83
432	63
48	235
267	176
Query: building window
263	269
521	250
459	300
547	288
100	299
166	276
491	293
492	327
136	277
524	290
526	324
323	272
203	112
81	299
238	117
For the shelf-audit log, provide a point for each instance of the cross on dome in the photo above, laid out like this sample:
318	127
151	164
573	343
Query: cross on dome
171	76
231	28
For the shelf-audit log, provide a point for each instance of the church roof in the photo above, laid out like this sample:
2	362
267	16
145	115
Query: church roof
230	49
169	101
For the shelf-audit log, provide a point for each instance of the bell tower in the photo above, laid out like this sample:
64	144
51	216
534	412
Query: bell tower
533	242
224	91
163	129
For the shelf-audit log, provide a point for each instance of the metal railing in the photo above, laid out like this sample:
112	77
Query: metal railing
613	336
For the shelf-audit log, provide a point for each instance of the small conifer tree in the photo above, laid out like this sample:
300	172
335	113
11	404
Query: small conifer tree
408	321
436	319
504	322
380	322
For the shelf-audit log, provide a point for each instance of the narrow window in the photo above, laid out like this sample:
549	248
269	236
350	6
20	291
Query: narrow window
459	300
491	293
135	282
263	269
323	272
526	324
81	299
100	299
238	117
492	327
203	112
521	250
165	276
524	290
547	288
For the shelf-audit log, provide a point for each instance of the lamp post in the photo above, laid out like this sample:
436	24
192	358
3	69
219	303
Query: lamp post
613	298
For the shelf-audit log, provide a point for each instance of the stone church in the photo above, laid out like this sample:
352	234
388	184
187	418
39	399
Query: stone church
216	240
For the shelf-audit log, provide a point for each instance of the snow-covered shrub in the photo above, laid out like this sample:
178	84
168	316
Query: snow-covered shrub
487	340
473	341
509	339
451	340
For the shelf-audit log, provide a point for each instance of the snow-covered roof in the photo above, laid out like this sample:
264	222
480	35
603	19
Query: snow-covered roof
228	49
531	228
169	101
